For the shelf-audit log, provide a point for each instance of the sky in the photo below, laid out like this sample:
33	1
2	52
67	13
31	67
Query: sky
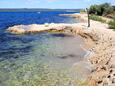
53	4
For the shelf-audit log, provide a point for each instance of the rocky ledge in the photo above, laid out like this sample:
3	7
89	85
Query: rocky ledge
36	28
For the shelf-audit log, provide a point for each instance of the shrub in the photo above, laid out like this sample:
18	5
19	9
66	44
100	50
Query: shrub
101	10
106	9
112	24
97	18
93	9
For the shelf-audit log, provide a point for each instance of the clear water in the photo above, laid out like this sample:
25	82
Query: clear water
16	18
43	59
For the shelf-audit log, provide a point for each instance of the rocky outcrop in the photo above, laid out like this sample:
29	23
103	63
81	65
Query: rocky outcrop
36	28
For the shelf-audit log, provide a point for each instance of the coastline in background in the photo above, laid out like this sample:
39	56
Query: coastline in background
35	10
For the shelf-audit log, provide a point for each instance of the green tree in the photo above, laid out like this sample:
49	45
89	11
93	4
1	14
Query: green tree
93	9
101	10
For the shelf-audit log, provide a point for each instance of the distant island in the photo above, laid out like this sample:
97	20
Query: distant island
35	10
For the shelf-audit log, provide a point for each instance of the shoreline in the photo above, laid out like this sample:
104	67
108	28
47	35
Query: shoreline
99	39
103	59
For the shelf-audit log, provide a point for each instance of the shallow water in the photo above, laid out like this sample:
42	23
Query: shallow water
44	61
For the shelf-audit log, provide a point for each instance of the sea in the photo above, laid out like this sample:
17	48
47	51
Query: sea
41	59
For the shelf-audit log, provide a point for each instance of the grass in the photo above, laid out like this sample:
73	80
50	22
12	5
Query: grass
112	24
97	18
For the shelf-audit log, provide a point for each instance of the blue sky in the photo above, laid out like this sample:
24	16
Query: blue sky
51	3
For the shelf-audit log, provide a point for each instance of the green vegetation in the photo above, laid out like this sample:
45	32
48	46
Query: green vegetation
106	10
112	24
111	15
101	10
97	18
82	11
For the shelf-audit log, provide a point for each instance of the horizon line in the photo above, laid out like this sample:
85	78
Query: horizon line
42	8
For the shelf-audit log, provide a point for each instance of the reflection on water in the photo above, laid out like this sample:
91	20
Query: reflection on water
42	59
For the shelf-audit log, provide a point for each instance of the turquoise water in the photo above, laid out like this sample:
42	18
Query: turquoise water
47	61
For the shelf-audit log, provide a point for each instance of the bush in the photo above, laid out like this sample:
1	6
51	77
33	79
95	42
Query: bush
112	24
97	18
93	9
101	10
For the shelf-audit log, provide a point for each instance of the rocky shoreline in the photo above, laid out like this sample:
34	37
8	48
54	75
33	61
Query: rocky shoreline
99	39
103	58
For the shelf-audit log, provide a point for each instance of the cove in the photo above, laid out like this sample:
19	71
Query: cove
43	59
